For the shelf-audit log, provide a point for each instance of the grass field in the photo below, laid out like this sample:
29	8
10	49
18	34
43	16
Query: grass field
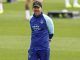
15	33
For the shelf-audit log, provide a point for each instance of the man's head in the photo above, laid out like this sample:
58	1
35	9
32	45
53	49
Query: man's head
37	8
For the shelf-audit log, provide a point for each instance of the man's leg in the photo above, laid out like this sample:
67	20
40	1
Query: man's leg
32	55
76	4
27	8
1	7
44	54
39	0
67	4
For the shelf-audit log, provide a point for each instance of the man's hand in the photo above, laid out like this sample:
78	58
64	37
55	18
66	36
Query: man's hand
49	40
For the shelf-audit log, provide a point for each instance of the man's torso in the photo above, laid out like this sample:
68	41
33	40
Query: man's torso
40	34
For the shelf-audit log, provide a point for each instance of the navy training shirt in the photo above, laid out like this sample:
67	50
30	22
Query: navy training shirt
41	27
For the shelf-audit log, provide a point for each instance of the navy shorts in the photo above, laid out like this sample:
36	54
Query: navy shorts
38	54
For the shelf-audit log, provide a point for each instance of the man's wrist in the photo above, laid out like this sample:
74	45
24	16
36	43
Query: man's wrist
50	36
49	40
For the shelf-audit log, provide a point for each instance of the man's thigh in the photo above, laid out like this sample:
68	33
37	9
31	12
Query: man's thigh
32	55
44	54
38	0
0	1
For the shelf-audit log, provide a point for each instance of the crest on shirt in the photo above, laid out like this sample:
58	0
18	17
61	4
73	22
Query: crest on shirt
41	21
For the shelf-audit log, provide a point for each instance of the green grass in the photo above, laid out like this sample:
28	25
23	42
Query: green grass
15	33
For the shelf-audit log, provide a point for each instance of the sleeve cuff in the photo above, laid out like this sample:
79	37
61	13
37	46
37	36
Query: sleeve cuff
50	36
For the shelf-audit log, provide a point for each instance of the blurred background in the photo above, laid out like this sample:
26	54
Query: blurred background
15	30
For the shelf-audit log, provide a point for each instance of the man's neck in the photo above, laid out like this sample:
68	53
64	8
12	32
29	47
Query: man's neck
38	15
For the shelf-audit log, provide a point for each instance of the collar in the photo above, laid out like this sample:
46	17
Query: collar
38	15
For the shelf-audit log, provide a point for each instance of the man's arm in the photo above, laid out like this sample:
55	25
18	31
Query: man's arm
50	26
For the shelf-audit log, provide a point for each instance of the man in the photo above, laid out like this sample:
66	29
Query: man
75	4
42	29
27	7
1	7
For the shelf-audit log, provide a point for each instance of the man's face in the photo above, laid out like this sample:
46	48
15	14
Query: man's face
37	10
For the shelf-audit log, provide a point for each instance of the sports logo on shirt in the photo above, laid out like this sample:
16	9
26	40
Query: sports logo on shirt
36	27
41	21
